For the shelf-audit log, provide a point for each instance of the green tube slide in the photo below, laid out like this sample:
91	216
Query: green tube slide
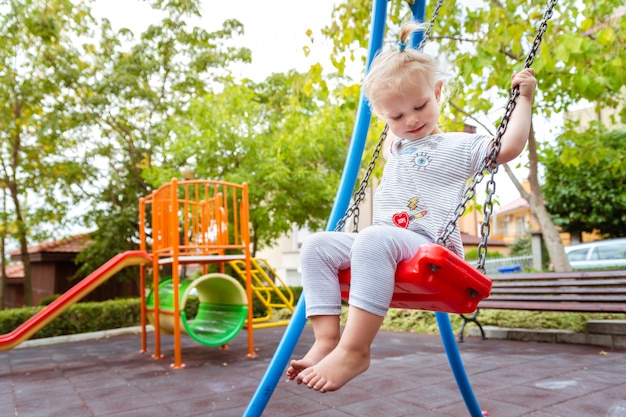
222	310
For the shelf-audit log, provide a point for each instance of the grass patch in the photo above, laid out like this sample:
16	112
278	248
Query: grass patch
424	322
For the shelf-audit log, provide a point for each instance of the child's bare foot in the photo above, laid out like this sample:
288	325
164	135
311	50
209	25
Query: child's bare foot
335	370
317	352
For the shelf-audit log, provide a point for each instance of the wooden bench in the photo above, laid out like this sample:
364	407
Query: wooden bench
579	291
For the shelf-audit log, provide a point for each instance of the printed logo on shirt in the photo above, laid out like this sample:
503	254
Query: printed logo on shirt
422	161
413	205
403	218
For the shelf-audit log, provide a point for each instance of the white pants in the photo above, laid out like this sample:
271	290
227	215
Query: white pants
372	255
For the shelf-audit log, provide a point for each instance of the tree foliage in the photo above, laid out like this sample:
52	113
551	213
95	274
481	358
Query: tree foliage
585	182
580	58
93	118
139	85
41	73
284	136
97	117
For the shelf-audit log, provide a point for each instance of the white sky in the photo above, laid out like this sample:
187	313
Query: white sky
275	30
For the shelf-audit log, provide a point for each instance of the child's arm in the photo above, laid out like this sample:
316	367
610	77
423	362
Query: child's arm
517	131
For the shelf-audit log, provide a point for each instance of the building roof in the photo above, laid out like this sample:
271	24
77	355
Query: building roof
519	202
71	244
468	239
15	271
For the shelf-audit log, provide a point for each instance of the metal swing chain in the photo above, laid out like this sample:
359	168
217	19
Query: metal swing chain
491	164
359	195
429	28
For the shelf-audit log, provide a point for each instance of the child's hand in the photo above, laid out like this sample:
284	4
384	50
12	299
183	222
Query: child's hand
526	81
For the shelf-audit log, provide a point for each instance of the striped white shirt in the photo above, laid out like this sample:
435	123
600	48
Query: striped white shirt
424	180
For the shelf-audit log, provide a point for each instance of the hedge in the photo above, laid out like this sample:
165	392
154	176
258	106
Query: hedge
95	316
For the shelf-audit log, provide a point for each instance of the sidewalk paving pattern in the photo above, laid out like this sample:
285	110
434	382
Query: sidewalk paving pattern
409	376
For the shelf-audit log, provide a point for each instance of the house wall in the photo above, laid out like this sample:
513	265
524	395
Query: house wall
585	116
108	290
284	256
513	224
42	280
52	274
14	294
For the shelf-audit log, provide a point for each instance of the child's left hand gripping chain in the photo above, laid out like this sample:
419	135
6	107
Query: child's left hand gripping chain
526	81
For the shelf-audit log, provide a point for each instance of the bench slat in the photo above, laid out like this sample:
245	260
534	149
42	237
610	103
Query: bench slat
611	273
562	290
564	283
559	291
554	306
561	297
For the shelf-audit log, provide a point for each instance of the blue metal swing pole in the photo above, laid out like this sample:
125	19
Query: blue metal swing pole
454	358
287	344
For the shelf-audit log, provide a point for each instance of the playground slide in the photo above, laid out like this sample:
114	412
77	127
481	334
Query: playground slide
73	295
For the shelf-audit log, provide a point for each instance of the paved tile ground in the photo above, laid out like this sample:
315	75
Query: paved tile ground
409	376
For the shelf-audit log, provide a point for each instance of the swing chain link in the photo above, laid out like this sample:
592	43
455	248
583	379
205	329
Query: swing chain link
429	28
542	29
360	194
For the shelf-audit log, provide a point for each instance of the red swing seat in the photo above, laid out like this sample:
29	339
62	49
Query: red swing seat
435	279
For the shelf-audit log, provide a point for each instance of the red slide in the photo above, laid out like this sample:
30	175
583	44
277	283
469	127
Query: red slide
71	296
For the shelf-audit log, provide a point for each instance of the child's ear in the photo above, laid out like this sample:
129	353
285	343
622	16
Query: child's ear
438	88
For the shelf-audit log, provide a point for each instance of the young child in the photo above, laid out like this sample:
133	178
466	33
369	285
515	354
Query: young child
422	184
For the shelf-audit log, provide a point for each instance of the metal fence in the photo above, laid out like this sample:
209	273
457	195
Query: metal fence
503	265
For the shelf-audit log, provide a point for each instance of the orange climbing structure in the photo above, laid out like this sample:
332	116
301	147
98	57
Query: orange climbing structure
201	222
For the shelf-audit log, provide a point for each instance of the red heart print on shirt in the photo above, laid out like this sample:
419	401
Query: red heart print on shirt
401	219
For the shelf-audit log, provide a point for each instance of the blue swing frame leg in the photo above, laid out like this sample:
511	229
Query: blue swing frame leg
454	358
287	344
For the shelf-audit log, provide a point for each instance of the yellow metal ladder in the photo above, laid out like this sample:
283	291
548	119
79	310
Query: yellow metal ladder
264	286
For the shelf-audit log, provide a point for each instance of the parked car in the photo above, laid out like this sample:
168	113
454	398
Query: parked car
599	254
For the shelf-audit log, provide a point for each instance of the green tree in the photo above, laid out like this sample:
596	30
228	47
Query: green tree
584	196
286	137
578	60
139	86
41	73
4	222
522	246
581	58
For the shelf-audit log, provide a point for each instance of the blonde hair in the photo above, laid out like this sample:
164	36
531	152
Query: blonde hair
396	67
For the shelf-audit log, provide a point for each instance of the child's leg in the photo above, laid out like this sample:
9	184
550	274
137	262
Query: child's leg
326	330
350	358
322	255
375	254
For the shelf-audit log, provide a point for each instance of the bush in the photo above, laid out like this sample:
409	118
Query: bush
95	316
522	246
472	255
418	321
79	318
47	300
